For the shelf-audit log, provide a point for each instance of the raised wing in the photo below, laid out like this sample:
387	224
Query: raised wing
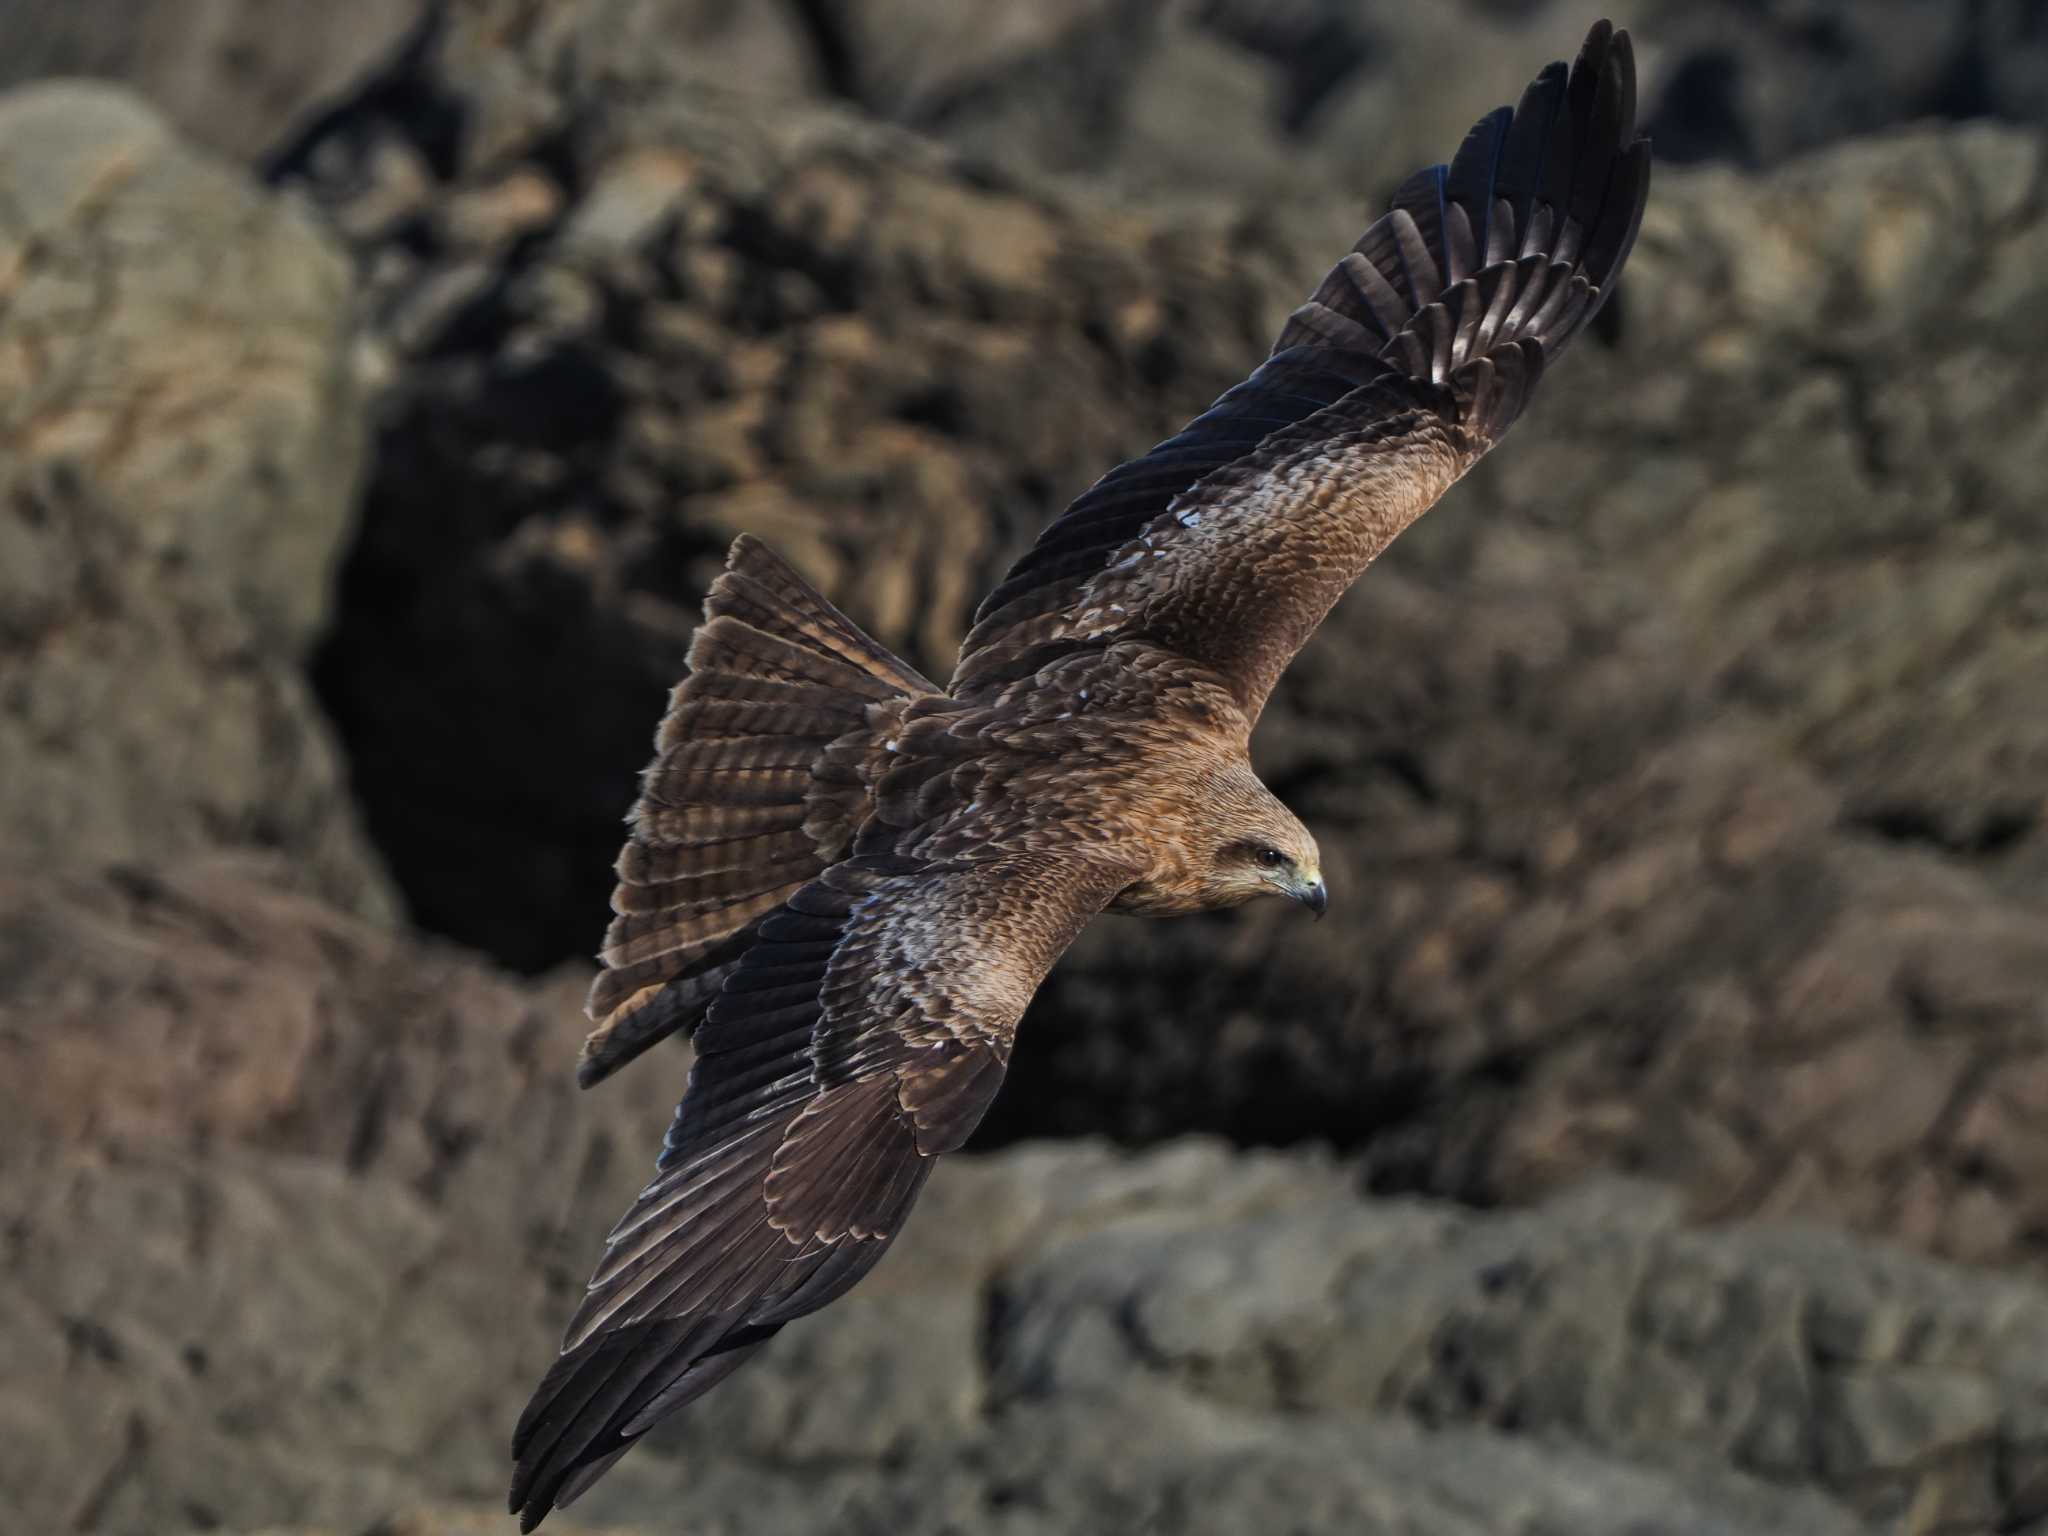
1229	542
862	1035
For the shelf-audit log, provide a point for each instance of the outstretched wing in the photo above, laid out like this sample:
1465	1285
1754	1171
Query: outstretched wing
863	1034
1230	542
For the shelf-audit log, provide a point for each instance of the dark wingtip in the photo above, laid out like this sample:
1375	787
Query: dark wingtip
1519	239
523	1502
1623	52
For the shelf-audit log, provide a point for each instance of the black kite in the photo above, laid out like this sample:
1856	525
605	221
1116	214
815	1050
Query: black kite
848	881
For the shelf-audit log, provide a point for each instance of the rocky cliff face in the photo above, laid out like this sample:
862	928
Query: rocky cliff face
293	1208
1309	96
185	433
236	76
1180	98
1666	1099
287	1199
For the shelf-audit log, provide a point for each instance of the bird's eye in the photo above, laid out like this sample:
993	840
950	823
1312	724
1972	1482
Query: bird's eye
1272	858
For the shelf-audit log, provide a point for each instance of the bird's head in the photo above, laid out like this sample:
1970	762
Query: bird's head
1260	848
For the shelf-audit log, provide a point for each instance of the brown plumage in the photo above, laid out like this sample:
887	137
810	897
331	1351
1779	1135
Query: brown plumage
848	882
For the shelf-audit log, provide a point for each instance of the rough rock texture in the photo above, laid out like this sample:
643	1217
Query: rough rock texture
1678	778
237	76
1158	98
1326	94
1176	101
308	1287
292	1206
1182	98
184	428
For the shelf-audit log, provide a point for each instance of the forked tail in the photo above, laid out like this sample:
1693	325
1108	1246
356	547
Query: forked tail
754	789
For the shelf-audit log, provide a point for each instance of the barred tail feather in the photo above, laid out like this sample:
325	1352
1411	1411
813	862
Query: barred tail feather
750	795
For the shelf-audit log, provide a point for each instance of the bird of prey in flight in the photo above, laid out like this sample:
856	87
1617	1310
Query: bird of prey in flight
846	881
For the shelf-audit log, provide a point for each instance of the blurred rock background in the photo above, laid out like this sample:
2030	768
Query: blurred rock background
1655	1139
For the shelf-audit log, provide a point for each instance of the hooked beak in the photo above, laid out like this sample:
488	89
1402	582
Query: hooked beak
1313	894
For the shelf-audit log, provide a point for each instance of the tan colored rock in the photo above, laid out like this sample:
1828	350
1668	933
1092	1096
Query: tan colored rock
183	434
238	76
297	1204
298	1278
